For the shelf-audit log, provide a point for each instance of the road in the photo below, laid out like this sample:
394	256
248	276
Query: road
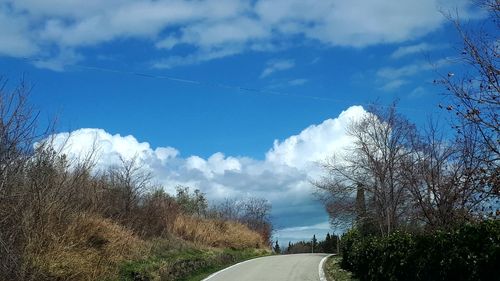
299	267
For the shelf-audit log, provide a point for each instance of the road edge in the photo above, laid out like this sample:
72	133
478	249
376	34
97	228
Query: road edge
229	267
321	270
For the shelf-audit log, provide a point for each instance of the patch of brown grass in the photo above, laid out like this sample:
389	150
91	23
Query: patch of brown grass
91	248
217	233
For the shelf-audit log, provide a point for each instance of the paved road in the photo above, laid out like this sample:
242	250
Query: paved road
299	267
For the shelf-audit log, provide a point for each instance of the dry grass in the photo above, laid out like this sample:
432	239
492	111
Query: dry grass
216	233
91	248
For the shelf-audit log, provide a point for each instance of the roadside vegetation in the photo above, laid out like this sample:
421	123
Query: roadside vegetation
334	272
178	261
424	203
61	219
467	252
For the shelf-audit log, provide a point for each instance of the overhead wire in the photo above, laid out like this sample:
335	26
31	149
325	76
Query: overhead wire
218	85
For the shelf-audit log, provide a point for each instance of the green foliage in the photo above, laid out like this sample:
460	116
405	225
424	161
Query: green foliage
469	252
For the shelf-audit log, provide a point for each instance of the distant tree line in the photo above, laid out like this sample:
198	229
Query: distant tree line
328	245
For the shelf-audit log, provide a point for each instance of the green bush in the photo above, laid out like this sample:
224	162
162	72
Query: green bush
469	252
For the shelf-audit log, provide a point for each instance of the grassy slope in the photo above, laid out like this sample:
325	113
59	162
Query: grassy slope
175	260
95	248
334	272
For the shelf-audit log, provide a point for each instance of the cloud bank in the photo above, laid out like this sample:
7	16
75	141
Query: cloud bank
52	29
282	177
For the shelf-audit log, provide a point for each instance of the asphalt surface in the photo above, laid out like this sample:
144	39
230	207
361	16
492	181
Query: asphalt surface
299	267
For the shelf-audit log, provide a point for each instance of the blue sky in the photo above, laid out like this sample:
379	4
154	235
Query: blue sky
218	94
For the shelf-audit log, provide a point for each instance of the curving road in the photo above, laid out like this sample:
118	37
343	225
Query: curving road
298	267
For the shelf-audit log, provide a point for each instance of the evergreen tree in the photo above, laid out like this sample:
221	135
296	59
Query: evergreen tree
276	248
314	242
327	248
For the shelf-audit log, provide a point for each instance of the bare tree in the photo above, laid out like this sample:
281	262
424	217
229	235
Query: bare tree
18	131
229	209
252	211
475	89
366	182
441	178
126	184
256	215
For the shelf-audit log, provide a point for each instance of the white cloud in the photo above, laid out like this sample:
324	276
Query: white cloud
60	61
276	65
16	40
297	82
404	71
197	57
393	85
217	164
414	49
418	92
282	83
412	69
395	77
109	148
212	27
223	32
282	177
357	23
314	143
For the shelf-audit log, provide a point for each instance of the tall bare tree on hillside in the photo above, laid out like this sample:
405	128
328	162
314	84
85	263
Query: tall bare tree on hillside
127	183
366	182
440	176
17	133
475	90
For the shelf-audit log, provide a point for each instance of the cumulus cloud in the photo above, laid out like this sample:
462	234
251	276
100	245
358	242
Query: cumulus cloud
214	28
314	143
109	149
282	177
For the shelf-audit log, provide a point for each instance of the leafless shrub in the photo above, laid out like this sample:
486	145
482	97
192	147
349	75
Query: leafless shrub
252	212
156	214
18	131
124	186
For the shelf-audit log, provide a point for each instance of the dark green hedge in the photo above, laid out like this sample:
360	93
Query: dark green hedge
469	252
